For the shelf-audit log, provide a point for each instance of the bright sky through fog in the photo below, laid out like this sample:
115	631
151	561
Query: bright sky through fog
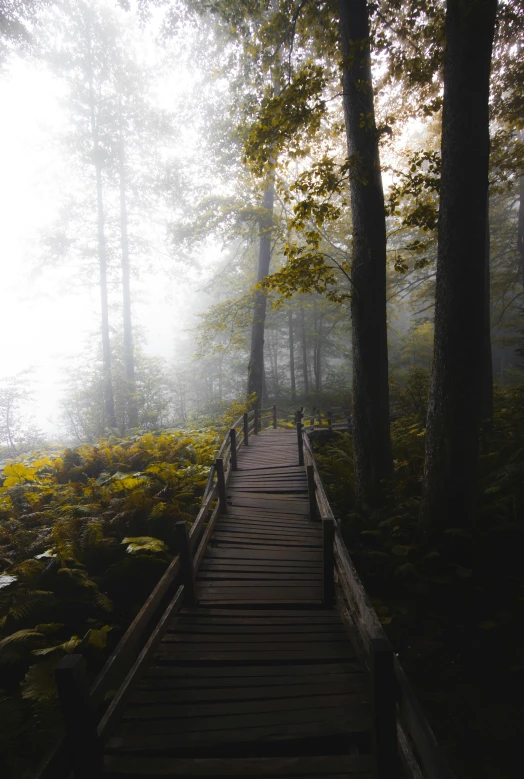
44	322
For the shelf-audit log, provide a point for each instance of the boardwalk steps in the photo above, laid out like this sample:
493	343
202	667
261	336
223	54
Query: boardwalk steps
249	670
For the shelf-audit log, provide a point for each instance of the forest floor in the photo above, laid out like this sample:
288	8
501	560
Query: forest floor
453	608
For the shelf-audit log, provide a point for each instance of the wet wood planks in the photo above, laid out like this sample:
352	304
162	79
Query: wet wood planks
258	680
266	549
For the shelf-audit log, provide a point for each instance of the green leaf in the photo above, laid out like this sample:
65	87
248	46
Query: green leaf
39	682
67	647
144	544
402	550
21	636
97	637
6	579
18	473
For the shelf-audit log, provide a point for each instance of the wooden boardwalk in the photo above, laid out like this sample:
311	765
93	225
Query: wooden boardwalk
238	664
257	678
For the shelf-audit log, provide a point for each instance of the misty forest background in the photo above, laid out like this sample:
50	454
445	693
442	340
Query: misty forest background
214	205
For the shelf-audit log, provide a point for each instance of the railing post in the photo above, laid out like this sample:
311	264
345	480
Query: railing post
246	429
319	418
83	743
300	444
187	569
384	709
274	417
256	420
219	467
312	420
233	443
311	491
328	561
330	419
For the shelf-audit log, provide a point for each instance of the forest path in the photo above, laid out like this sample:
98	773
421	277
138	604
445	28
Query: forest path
258	679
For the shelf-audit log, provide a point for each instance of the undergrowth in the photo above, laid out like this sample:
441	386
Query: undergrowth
85	534
453	607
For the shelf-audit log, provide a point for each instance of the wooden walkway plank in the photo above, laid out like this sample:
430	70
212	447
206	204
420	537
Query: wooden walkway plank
258	663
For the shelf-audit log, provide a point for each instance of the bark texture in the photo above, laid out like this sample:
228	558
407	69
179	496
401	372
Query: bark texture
450	487
486	401
371	435
255	371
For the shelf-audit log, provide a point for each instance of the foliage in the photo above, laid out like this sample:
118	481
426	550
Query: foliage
453	602
85	534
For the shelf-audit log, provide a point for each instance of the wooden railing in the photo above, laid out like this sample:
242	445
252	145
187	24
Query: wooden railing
315	418
400	724
86	728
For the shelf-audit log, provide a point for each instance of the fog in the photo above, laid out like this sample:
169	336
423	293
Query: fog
167	100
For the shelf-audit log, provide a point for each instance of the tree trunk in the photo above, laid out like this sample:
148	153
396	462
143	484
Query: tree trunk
371	435
450	486
317	362
520	238
275	362
291	356
304	353
109	401
129	356
273	368
255	371
487	360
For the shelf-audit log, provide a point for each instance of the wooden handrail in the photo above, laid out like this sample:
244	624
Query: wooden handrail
110	718
413	730
417	746
115	673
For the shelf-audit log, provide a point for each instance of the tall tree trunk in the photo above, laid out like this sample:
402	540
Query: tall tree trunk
129	355
303	338
220	377
371	434
255	371
318	351
109	401
273	367
291	356
450	486
486	409
275	362
520	237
